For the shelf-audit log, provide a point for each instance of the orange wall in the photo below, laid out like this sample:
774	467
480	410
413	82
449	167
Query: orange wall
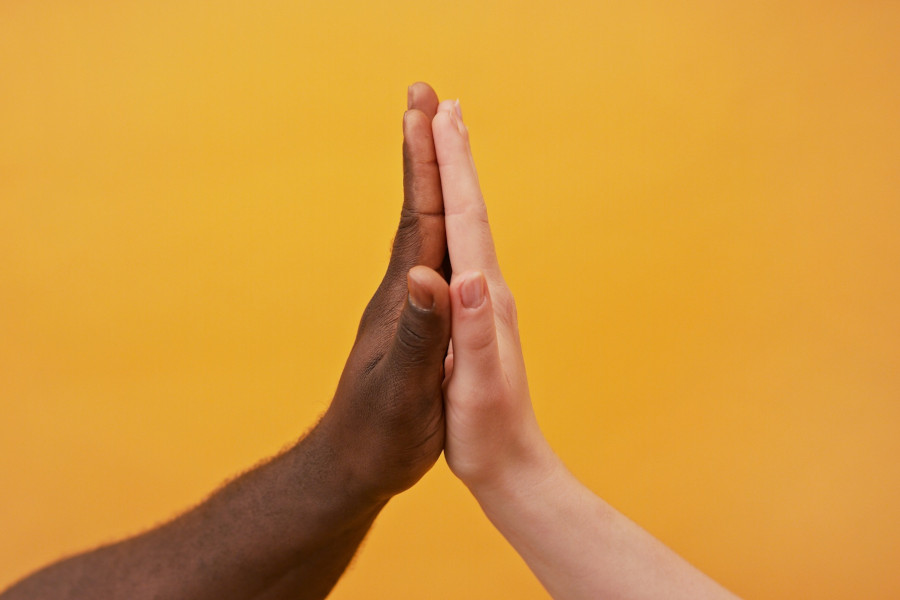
697	205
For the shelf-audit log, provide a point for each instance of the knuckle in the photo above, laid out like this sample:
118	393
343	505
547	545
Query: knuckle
379	316
413	339
481	340
407	242
409	220
487	402
369	316
366	320
410	339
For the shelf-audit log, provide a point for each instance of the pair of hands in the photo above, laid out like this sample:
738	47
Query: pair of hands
436	366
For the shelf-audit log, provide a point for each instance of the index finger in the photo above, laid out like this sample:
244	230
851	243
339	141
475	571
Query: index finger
420	235
469	239
421	182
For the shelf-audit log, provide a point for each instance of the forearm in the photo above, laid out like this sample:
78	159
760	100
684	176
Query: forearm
287	529
580	547
576	544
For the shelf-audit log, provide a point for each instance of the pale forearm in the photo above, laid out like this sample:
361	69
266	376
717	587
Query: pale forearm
576	544
580	547
284	530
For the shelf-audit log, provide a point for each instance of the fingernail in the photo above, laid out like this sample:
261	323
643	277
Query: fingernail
458	109
409	97
419	296
458	122
471	291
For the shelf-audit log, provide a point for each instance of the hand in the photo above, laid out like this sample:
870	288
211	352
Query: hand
387	417
289	527
577	545
491	427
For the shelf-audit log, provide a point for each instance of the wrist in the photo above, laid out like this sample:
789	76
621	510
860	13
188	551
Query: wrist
532	504
532	468
329	465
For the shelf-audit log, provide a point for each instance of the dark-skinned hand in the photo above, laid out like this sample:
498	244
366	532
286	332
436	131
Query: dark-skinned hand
288	528
387	414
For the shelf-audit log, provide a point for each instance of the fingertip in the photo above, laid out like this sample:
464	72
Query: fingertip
427	289
420	295
450	134
440	121
444	134
421	96
446	106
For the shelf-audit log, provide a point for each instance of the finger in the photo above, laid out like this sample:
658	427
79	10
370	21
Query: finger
469	238
420	237
423	331
421	178
421	96
419	149
446	105
476	352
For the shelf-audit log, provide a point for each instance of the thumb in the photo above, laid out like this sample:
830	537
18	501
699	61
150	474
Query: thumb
476	352
423	330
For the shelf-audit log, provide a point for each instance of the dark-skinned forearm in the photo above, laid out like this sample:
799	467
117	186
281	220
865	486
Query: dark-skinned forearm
286	529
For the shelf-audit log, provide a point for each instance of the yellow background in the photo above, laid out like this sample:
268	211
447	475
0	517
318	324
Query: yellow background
696	204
